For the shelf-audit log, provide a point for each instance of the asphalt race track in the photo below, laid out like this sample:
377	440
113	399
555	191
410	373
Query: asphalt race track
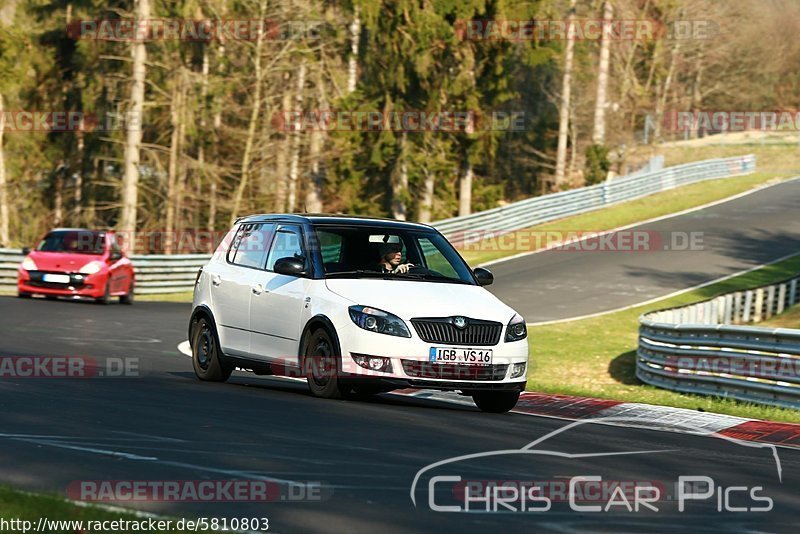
361	455
737	235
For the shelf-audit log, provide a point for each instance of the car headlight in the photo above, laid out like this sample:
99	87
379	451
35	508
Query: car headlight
91	267
516	328
378	321
29	265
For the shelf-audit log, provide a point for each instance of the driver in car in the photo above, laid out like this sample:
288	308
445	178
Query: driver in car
391	259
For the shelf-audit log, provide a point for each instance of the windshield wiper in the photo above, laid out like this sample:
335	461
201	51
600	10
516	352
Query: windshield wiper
430	276
358	273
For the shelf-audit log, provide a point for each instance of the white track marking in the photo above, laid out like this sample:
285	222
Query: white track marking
667	296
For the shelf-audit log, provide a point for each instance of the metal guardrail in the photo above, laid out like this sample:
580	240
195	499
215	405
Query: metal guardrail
155	273
175	273
537	210
700	348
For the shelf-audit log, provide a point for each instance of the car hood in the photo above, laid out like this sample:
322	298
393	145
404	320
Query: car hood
62	261
409	299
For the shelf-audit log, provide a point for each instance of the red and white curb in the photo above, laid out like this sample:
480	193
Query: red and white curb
632	414
629	414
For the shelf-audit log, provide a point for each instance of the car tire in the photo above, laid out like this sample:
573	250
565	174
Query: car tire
23	295
496	401
106	298
127	298
207	358
321	367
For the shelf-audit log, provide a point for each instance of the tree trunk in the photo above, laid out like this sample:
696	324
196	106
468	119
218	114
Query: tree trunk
4	235
465	190
133	125
400	182
251	128
282	160
58	194
599	133
563	112
314	191
294	169
352	62
172	166
661	102
426	202
77	198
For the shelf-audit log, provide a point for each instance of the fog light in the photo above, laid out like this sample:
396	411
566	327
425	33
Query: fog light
373	363
518	370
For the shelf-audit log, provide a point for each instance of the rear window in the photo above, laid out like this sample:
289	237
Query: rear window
74	242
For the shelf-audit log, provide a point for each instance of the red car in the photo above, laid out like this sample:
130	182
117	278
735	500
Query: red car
74	262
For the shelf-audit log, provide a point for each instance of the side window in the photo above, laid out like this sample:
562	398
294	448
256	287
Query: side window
250	245
435	260
331	245
288	244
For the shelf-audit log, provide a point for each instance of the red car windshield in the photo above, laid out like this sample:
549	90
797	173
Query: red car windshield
73	242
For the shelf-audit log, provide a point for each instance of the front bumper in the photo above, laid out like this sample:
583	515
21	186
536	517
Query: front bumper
79	285
412	368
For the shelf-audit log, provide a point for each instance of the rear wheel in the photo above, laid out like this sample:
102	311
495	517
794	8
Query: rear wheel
127	298
23	295
496	401
207	358
321	367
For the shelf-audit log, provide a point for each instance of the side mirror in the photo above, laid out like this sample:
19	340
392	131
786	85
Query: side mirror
26	251
114	255
290	266
484	276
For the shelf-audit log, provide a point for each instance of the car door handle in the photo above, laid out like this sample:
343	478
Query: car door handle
258	289
216	280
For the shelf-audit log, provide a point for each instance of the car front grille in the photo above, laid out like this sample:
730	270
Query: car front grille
420	369
76	280
443	330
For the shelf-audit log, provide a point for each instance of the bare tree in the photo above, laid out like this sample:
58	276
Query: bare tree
4	237
254	116
564	108
352	62
599	132
133	126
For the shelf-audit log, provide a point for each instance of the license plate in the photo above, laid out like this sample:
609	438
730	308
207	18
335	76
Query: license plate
56	278
460	355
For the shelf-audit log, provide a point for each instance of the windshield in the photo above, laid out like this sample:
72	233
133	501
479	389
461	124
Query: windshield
390	253
73	242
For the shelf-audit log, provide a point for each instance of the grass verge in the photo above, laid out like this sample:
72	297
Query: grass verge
622	214
788	319
596	357
184	296
24	506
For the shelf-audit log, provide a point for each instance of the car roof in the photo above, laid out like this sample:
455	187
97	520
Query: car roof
330	218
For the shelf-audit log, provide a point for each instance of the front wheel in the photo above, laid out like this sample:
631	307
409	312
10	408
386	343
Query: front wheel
206	354
321	366
106	298
127	298
496	401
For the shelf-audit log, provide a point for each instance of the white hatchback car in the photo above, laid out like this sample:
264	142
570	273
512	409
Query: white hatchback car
355	304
